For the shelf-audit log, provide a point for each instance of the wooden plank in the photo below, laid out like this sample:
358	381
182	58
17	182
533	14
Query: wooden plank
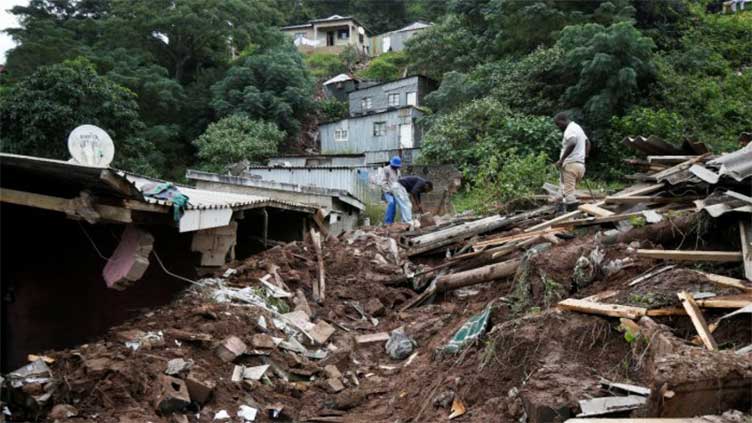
729	301
726	281
601	295
658	312
510	238
372	337
564	217
670	159
613	310
64	205
679	167
687	255
698	320
650	199
319	292
650	274
631	191
594	210
745	230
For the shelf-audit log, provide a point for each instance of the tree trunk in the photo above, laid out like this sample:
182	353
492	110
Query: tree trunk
476	276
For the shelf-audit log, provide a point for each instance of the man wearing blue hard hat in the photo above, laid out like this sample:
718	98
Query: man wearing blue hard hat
389	181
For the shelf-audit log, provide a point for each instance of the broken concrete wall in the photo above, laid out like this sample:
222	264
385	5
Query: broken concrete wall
53	292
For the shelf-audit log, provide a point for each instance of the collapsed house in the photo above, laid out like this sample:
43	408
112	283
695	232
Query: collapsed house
76	236
518	316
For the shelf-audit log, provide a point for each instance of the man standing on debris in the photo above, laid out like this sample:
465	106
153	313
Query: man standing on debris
575	148
415	185
389	176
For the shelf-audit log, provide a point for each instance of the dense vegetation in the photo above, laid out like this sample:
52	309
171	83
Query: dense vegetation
619	67
207	82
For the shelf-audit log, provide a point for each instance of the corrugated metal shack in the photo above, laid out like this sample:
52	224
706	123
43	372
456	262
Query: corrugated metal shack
351	179
389	130
339	207
409	91
395	40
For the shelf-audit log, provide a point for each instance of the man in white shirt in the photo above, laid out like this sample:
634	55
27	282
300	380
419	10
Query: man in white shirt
575	147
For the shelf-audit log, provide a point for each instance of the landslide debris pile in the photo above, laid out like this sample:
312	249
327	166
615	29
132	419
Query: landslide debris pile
637	304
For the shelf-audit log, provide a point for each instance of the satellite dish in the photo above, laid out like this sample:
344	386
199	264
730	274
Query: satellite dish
91	146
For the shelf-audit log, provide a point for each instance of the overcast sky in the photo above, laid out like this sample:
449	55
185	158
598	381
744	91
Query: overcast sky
7	21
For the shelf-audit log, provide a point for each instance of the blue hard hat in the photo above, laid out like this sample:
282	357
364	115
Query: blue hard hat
395	162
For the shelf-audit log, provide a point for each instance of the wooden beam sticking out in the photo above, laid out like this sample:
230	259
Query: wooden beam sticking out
698	320
594	210
659	312
650	274
612	310
728	301
563	218
686	255
726	281
680	167
636	199
319	289
670	159
510	238
745	229
64	205
372	337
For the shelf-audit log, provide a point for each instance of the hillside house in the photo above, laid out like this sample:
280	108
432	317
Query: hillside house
395	40
382	121
331	35
408	91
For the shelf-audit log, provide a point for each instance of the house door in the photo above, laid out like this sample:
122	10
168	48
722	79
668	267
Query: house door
406	135
330	38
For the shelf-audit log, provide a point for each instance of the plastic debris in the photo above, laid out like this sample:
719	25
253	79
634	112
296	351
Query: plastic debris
247	413
470	331
221	415
400	345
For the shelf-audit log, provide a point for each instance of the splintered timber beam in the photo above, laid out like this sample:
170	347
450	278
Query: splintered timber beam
612	310
683	255
319	289
594	210
745	229
68	206
698	320
726	281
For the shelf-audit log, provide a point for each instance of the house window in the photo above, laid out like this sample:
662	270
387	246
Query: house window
393	99
340	135
412	99
379	129
365	103
343	34
360	38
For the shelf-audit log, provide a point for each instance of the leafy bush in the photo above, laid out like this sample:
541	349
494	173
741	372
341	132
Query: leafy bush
648	121
324	65
332	109
484	127
272	85
236	138
506	175
387	67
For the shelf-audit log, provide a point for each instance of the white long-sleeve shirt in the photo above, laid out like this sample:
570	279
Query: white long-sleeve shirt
389	176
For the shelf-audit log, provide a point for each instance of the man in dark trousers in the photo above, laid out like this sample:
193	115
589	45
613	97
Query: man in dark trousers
415	186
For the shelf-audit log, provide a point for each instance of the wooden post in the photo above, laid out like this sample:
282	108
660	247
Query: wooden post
745	229
689	255
698	320
319	292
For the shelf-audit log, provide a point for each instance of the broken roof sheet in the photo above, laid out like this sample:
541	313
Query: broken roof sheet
737	165
654	145
339	78
413	26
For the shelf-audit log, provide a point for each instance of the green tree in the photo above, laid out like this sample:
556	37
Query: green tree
272	85
236	138
38	113
613	65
